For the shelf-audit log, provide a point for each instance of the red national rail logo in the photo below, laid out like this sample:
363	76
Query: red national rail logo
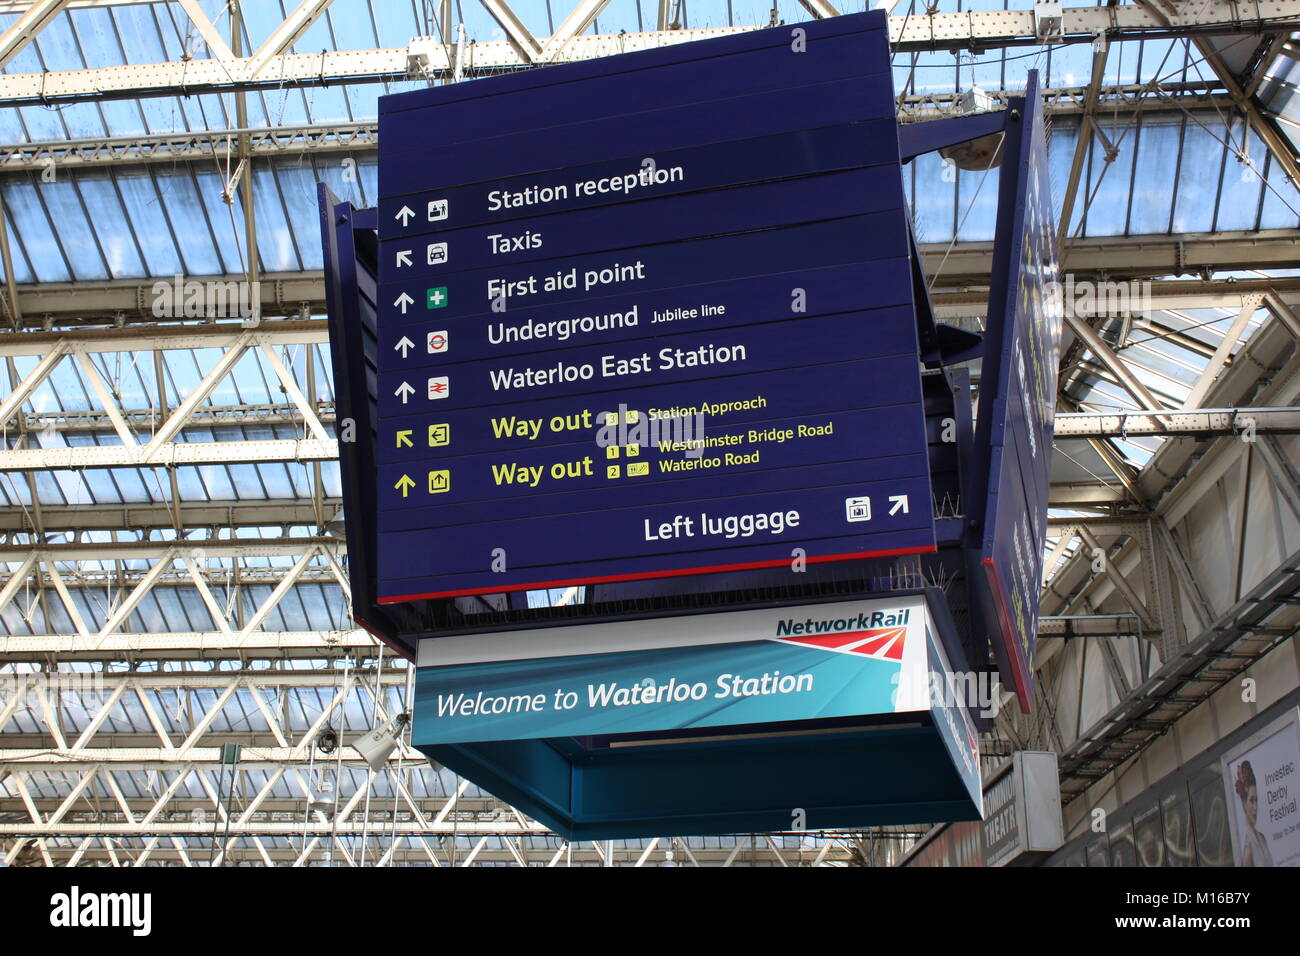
885	643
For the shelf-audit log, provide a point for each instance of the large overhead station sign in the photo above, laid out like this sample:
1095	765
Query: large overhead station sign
648	316
1022	350
655	324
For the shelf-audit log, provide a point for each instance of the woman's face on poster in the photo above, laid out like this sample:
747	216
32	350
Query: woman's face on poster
1251	804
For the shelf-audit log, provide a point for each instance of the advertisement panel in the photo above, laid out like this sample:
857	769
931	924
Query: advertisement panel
1261	778
648	316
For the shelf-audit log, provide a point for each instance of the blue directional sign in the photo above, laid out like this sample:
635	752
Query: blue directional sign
648	316
1020	372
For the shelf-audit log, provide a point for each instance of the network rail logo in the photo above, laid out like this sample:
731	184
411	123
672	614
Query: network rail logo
880	634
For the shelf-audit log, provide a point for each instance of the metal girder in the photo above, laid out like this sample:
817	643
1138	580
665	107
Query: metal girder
820	9
1283	472
362	138
169	454
1137	257
207	645
1119	581
1081	146
1198	422
1153	559
155	550
119	301
1113	363
146	441
1266	373
522	38
1283	313
1264	126
203	146
285	35
96	420
664	15
216	42
431	56
1222	354
17	7
1256	624
133	517
579	18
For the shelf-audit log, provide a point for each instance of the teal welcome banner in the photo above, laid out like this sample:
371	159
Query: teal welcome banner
747	667
614	720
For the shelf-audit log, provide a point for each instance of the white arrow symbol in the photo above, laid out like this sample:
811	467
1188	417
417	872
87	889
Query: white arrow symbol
404	257
405	214
403	391
404	345
403	301
900	501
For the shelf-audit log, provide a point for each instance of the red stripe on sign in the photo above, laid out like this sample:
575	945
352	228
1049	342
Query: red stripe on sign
650	575
892	636
831	640
1018	675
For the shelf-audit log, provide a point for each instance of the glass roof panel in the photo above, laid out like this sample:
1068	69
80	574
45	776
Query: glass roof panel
1199	174
1239	189
1156	163
1105	194
276	245
181	205
35	232
144	213
227	219
104	206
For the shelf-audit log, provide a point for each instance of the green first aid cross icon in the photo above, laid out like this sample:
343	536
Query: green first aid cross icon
437	297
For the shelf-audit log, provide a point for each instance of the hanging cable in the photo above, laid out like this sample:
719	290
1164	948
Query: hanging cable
370	773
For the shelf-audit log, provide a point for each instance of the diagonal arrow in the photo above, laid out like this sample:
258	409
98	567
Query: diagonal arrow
402	301
404	438
403	345
405	214
404	391
900	501
403	258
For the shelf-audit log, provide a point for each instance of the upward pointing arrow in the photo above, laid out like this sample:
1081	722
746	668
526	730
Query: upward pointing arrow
404	257
405	214
900	502
404	391
404	485
403	345
402	301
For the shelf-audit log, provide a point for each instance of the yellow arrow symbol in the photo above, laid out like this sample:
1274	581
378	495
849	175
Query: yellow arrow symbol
404	438
404	485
